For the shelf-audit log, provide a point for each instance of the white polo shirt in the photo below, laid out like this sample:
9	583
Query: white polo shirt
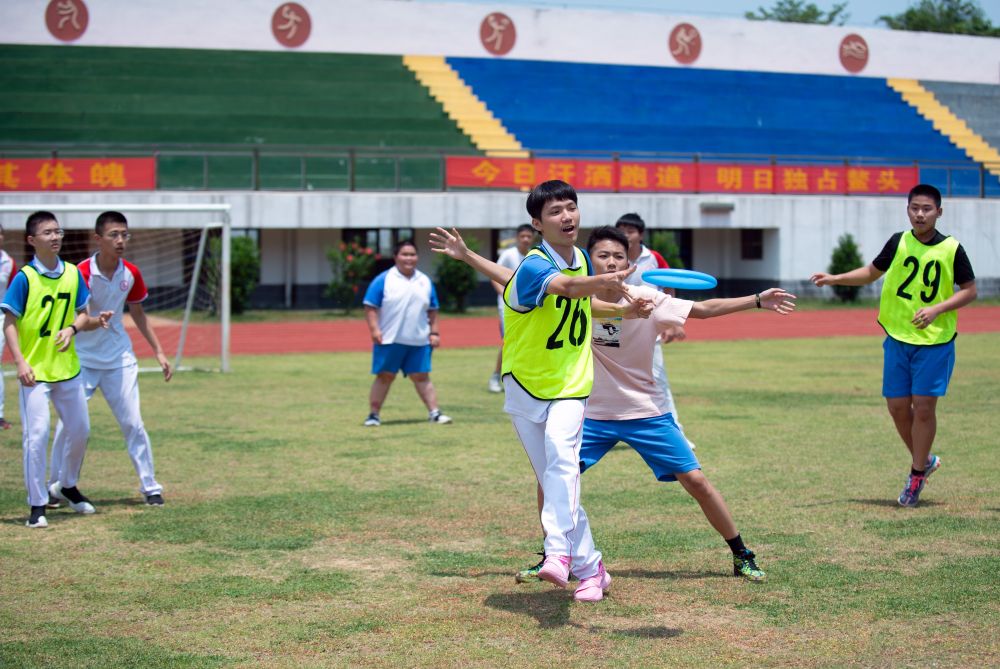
111	348
509	258
7	269
645	262
402	303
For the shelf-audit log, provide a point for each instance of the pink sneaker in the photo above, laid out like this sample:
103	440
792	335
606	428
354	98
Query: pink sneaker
592	589
555	570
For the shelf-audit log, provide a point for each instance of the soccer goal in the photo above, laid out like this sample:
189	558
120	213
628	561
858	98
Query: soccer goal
183	253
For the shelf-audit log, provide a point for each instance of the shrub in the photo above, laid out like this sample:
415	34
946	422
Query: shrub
351	265
244	270
845	257
455	280
664	242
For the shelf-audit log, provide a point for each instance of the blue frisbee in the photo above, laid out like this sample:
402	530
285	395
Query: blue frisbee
685	279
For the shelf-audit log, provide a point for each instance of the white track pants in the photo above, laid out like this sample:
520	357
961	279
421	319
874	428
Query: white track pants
120	388
553	446
3	342
71	406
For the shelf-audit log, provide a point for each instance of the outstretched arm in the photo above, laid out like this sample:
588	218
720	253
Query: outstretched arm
775	299
82	322
452	245
861	276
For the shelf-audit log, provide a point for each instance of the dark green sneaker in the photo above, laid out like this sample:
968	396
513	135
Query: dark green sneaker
530	574
746	567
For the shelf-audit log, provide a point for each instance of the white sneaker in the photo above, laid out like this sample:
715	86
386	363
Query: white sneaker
494	384
373	420
81	505
439	418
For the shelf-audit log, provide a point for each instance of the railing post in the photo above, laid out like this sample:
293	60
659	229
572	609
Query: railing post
255	168
350	169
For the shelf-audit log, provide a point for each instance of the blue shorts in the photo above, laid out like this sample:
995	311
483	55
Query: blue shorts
391	358
658	440
908	369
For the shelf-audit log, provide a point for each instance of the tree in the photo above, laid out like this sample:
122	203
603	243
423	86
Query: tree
944	16
797	11
845	257
455	279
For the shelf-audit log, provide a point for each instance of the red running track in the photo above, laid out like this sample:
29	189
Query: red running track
352	335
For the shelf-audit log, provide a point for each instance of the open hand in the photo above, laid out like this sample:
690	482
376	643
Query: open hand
779	300
449	243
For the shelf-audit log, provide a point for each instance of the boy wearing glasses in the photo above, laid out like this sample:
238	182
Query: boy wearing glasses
107	359
44	309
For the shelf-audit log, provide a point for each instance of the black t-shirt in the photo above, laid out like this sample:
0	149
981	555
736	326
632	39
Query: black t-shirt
963	268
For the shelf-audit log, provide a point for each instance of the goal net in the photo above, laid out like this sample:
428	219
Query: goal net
182	252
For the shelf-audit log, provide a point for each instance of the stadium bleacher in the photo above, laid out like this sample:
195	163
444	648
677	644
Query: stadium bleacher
570	106
117	96
208	99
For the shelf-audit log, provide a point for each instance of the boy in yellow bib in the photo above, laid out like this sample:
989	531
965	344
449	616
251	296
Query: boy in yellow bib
44	308
918	312
548	371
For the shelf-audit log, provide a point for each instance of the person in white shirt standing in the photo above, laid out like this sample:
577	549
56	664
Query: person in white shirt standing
510	258
401	308
645	259
8	268
107	359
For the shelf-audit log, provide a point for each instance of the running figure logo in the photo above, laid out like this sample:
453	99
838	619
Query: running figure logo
684	43
291	24
497	33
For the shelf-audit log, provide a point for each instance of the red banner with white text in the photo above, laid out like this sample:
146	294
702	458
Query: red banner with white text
620	176
77	174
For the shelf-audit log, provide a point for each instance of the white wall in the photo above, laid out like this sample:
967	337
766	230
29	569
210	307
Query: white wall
593	36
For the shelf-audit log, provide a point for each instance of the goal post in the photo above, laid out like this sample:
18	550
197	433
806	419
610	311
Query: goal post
179	276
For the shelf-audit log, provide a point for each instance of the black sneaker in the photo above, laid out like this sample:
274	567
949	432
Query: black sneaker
154	500
37	517
53	503
373	420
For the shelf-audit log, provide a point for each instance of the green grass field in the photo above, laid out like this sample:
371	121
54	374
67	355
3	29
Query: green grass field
293	537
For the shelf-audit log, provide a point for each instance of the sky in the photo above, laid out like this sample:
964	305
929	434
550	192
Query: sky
862	12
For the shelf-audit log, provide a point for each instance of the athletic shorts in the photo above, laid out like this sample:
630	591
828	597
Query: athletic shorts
908	369
391	358
657	440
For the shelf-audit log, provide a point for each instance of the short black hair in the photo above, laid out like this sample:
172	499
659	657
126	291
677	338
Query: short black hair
37	219
109	217
925	189
607	232
547	192
525	227
632	219
400	244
